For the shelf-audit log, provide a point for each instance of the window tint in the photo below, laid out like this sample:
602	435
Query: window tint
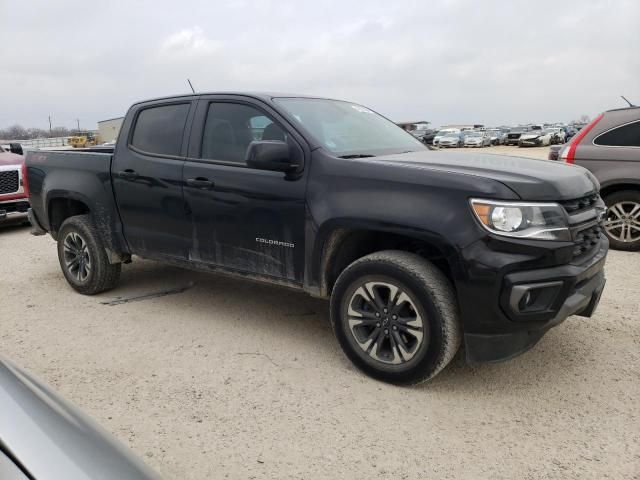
230	127
160	129
624	136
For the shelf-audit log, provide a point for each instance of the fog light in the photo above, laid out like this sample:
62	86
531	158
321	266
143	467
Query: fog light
534	297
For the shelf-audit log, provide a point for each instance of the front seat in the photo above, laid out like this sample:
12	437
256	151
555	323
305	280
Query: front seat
273	132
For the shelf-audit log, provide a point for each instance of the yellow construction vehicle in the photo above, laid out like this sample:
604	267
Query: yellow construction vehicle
82	141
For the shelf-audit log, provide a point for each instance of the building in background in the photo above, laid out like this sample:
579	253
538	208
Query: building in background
108	129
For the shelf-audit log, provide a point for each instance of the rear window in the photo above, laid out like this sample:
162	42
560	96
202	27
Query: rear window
159	130
623	136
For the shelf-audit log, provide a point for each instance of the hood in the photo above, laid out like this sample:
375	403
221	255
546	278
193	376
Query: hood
449	139
7	158
473	139
530	179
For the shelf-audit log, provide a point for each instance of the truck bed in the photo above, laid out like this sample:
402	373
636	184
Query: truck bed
82	176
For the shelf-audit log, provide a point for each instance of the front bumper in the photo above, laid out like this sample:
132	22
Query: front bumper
497	322
13	208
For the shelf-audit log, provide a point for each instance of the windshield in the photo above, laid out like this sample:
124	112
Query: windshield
474	134
346	128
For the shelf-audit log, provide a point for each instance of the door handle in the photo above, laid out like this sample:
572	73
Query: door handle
200	182
128	174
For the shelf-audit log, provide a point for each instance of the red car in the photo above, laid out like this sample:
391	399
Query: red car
14	190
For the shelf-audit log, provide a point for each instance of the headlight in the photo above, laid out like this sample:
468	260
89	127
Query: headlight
541	221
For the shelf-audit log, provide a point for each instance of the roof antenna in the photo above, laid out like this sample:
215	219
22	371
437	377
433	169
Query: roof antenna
630	104
192	89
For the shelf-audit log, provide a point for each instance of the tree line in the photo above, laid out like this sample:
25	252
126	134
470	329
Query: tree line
18	132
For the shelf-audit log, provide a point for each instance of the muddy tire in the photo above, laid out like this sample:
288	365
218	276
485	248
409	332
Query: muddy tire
83	259
396	317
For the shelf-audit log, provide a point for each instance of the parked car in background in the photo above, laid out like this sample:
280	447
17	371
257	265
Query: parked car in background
42	436
557	135
452	140
569	132
14	189
535	138
420	131
554	152
513	137
496	136
442	133
429	137
609	147
476	139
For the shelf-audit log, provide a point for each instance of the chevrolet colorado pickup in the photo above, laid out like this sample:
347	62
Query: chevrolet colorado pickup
418	251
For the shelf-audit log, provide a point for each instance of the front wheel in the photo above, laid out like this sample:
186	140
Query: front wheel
83	258
396	317
622	222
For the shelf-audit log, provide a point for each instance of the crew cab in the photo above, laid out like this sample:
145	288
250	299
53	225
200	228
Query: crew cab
418	251
14	190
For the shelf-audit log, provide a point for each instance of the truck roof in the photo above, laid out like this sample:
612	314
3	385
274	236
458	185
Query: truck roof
259	95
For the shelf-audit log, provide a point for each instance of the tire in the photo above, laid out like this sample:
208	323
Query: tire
83	259
427	321
622	221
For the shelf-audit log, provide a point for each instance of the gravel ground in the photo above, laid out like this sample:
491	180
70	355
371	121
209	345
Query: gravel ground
232	379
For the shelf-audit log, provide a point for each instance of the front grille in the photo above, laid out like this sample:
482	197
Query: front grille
572	206
514	136
586	241
9	182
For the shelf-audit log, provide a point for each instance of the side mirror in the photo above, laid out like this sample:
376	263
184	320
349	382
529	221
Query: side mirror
16	148
273	155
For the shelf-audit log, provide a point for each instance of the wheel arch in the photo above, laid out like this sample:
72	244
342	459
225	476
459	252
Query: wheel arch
61	207
612	187
341	243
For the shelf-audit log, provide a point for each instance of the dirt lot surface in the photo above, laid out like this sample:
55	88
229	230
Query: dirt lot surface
237	380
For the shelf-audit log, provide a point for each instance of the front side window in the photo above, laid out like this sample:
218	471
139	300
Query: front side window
159	130
624	136
345	128
231	127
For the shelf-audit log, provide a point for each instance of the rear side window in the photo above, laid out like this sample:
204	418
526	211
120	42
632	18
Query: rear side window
160	129
624	136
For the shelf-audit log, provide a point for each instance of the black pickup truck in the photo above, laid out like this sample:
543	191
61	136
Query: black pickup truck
419	251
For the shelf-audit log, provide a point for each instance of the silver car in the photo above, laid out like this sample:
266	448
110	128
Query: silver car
43	437
477	139
451	140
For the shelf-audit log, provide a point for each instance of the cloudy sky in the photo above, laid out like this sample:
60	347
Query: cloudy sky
493	62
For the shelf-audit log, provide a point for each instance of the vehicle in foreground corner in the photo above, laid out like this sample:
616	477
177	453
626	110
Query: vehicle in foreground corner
44	437
418	251
609	147
14	189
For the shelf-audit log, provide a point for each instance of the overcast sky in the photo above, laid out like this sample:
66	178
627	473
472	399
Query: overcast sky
492	62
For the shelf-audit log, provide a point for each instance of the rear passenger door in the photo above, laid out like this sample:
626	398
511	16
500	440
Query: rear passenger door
147	178
243	219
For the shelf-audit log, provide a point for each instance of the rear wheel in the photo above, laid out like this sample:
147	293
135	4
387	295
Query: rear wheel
83	258
622	222
396	317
